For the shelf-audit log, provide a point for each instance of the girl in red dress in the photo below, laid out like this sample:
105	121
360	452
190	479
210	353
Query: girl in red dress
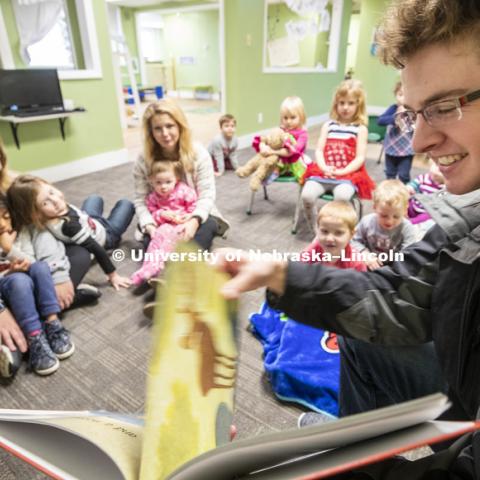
340	154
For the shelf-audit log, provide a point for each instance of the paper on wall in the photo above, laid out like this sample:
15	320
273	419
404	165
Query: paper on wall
283	52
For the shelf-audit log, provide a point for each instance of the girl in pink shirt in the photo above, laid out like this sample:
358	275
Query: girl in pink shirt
293	160
171	204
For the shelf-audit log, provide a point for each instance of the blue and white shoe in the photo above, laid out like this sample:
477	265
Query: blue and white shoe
42	359
59	339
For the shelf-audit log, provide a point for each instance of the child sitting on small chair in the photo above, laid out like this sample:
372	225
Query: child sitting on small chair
386	230
291	156
340	155
37	202
223	148
171	204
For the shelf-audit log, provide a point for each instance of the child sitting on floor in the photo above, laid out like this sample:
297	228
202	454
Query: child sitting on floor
27	287
37	202
336	223
223	148
427	183
386	229
171	204
303	362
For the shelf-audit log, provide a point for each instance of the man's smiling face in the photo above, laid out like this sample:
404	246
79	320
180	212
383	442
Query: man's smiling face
438	72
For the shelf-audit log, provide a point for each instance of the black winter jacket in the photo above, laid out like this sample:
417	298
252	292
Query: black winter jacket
433	294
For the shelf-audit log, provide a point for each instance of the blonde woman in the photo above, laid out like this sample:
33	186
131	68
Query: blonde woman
167	138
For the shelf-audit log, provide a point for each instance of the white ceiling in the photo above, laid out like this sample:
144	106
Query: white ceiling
147	3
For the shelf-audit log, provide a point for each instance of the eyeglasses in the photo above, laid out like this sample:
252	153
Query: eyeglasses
436	114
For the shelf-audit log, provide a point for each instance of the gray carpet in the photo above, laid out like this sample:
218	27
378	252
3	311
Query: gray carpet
112	339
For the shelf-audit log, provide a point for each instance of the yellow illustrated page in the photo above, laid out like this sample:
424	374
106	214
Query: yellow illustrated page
191	378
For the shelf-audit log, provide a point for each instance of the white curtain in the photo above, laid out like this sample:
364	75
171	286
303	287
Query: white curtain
305	7
35	18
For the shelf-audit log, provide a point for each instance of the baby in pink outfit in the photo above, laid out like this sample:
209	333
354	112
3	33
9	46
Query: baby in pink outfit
171	203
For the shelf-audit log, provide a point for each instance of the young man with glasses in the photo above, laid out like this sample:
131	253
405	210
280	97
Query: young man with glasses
435	293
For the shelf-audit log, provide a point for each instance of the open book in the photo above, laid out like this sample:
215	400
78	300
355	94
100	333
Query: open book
189	408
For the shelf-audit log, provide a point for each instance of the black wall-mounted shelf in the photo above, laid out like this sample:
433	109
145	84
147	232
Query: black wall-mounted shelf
16	121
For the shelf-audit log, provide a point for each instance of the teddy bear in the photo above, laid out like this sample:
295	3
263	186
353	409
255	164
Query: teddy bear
260	166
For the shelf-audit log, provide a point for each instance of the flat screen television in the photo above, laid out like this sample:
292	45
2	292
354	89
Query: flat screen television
30	90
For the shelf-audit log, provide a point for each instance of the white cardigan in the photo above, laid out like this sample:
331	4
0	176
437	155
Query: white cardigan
202	180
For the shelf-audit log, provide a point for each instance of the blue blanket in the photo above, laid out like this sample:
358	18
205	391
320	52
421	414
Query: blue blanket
302	362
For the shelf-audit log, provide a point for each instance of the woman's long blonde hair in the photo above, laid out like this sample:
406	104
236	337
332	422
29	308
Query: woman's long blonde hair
152	150
355	88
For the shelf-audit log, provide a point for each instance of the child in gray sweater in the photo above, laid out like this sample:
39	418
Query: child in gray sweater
387	229
224	146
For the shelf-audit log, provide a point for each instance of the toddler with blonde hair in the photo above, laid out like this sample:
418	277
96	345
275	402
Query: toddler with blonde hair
387	228
336	223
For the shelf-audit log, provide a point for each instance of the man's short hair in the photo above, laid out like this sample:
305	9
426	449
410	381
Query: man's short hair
226	118
409	25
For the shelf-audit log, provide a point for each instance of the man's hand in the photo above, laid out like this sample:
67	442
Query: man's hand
65	294
118	281
10	333
248	274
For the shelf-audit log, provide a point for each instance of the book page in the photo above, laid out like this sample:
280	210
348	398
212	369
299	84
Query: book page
353	457
80	446
192	369
245	456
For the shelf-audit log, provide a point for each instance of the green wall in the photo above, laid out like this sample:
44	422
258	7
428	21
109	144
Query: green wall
194	34
190	34
249	91
377	79
93	132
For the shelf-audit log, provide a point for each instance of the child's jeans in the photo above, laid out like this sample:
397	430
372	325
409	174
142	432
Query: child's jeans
30	296
116	223
400	166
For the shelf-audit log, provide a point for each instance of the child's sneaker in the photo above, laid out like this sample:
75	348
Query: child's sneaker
42	360
59	339
9	362
85	294
307	419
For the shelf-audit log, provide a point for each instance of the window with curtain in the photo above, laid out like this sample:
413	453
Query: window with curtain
51	34
56	48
